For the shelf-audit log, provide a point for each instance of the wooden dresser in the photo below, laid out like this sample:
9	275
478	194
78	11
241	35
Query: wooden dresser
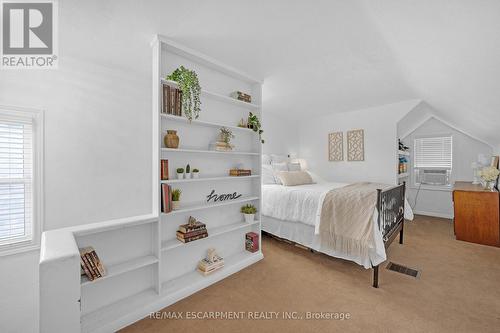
477	214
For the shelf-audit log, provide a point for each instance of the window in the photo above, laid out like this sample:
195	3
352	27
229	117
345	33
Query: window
20	223
433	161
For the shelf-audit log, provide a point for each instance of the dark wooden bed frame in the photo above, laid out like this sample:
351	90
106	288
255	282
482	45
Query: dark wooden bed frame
391	209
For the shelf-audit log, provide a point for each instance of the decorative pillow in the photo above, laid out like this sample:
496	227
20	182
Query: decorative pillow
279	158
266	159
293	178
294	166
316	179
268	175
277	167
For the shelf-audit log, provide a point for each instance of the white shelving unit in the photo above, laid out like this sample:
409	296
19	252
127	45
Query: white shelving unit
147	267
402	177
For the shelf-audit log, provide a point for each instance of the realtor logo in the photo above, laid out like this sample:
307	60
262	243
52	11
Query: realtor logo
29	34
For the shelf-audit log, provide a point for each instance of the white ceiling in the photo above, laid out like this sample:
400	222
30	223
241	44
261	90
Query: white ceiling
322	56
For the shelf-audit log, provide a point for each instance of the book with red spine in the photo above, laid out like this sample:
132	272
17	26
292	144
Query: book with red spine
164	170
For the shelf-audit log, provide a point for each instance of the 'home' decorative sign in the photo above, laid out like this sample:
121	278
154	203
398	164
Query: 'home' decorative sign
222	197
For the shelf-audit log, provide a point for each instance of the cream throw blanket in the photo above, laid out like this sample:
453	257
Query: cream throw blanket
346	222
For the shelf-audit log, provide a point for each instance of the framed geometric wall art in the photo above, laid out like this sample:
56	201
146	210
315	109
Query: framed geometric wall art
355	145
336	146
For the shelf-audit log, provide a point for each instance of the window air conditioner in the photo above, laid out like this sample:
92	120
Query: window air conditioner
433	177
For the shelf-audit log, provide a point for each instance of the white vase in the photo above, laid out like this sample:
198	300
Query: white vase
188	175
180	176
176	205
249	218
196	175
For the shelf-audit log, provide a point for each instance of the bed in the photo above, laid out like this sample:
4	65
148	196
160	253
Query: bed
294	213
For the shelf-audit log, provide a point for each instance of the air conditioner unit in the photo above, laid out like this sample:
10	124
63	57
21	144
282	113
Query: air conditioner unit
433	177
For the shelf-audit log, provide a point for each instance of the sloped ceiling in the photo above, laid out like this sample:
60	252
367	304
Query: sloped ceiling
322	56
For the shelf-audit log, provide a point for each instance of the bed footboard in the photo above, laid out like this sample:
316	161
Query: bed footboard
391	208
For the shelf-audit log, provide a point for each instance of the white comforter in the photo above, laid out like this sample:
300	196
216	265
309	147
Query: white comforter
301	203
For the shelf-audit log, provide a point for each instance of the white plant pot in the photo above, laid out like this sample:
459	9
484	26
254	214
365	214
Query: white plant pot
188	175
196	175
176	205
249	218
180	176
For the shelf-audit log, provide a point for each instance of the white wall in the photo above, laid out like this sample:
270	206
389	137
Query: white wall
380	131
281	135
465	151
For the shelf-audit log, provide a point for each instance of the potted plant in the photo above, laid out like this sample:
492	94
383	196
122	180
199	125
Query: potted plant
188	172
180	173
190	88
489	175
176	197
196	173
255	125
225	135
249	212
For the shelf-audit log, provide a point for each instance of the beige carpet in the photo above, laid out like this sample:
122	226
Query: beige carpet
458	290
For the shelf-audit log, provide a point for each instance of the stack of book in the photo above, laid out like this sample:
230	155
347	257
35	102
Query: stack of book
207	266
241	96
91	264
240	172
222	146
172	100
164	170
191	231
166	198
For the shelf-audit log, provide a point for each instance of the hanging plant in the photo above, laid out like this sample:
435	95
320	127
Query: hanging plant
255	125
190	87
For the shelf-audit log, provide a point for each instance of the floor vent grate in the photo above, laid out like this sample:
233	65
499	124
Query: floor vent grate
403	270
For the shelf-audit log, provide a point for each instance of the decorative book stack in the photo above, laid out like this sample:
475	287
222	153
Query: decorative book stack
172	100
240	172
91	264
164	170
192	231
166	198
211	263
241	96
221	146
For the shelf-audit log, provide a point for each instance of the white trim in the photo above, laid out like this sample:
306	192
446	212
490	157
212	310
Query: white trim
38	179
433	214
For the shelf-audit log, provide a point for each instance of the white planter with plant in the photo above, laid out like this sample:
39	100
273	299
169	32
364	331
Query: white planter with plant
490	176
196	173
249	213
180	173
188	172
176	197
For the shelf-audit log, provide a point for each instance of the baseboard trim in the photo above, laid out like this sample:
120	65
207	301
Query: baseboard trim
433	214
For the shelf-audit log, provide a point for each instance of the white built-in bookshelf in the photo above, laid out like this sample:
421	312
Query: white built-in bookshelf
147	267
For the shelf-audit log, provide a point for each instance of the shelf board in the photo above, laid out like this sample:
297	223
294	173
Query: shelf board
217	97
121	268
205	123
212	232
116	315
402	152
190	208
194	281
403	175
201	151
206	179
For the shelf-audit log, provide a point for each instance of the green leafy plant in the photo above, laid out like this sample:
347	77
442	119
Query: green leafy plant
191	90
188	169
226	135
255	125
196	170
176	194
180	170
248	209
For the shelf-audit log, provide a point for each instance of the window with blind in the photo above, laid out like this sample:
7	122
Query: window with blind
17	222
432	161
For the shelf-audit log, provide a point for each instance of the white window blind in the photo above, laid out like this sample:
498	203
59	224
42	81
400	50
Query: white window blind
16	180
433	152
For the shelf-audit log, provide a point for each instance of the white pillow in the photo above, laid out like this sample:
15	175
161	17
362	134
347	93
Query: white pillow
267	175
315	177
266	159
294	167
278	167
279	158
293	178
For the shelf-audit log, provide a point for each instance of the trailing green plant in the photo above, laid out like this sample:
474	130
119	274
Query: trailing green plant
226	135
255	125
248	209
188	169
180	170
176	194
196	170
191	90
